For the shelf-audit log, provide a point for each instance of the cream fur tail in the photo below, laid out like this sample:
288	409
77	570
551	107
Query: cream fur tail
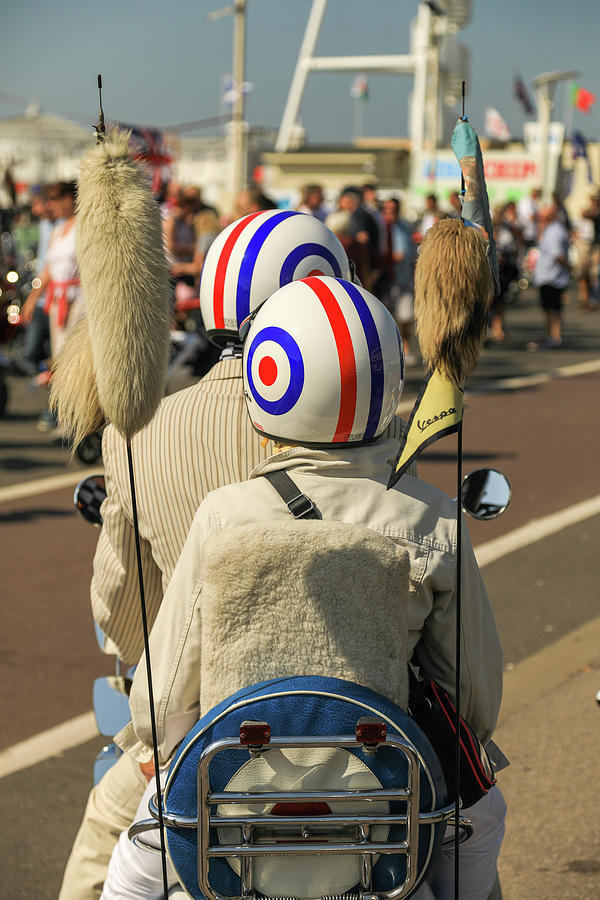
124	277
73	388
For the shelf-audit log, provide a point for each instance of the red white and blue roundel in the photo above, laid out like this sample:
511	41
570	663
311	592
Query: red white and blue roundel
323	364
258	254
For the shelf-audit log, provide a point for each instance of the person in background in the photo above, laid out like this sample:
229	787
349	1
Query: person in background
551	275
60	280
206	229
591	217
180	237
455	206
373	206
364	229
37	337
8	199
24	233
431	215
311	201
398	264
252	200
357	251
528	208
168	198
507	254
562	214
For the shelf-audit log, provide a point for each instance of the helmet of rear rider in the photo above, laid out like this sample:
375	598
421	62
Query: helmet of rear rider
255	256
323	364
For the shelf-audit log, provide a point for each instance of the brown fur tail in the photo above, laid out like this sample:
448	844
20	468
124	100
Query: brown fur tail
453	291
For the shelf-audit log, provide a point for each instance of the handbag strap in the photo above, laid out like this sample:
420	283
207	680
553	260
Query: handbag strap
419	703
300	506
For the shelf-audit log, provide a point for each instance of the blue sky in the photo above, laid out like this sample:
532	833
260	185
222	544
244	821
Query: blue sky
162	63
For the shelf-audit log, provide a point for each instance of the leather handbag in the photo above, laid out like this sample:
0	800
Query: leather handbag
434	711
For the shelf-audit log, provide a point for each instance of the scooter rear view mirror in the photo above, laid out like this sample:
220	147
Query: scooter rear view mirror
485	494
88	497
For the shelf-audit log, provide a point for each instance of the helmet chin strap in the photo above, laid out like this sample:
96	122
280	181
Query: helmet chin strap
232	351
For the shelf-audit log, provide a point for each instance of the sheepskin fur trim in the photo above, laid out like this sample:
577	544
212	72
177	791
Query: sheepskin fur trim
73	388
453	291
303	598
124	277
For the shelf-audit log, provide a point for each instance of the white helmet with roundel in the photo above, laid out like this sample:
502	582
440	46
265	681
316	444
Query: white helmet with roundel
323	364
255	256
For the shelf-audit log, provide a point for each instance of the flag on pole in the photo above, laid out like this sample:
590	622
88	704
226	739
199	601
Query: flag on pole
230	91
495	126
360	88
582	99
149	147
437	412
522	96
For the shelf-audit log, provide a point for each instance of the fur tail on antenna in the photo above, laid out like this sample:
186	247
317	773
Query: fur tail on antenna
113	365
453	291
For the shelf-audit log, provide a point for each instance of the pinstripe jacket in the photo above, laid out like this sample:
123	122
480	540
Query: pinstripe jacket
199	440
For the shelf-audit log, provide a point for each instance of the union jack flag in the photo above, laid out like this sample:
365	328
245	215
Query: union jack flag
150	148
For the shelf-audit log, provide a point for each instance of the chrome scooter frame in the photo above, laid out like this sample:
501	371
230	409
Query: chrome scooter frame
248	849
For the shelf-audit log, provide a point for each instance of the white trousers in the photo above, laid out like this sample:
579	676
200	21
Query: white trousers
111	808
478	855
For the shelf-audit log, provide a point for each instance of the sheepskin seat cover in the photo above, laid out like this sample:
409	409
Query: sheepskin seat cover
303	598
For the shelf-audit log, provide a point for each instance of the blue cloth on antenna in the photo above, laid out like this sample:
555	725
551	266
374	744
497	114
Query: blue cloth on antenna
476	207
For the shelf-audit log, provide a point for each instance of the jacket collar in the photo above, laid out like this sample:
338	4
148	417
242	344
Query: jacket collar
369	461
231	367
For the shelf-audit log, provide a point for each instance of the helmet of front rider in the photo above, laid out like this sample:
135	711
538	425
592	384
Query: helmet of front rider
255	256
323	364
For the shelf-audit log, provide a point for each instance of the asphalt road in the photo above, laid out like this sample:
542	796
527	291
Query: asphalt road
542	432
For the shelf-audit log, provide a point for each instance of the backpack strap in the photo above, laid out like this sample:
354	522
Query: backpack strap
300	506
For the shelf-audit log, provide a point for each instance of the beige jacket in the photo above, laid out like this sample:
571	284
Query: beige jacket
347	485
199	440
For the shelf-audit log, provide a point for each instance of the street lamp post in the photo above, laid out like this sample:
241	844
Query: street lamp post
237	126
545	86
238	137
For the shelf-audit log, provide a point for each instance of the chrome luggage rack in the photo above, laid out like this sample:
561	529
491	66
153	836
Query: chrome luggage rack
300	833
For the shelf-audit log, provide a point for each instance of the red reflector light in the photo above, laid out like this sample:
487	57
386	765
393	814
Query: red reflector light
255	733
301	809
371	731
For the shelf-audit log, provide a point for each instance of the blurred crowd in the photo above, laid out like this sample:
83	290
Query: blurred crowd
41	299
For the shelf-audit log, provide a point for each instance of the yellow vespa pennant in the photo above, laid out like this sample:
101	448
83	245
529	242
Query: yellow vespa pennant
436	413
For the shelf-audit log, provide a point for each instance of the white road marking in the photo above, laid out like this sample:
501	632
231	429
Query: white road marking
45	485
521	381
536	530
48	743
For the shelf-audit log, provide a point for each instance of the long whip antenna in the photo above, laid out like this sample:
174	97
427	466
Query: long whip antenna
459	453
136	531
463	117
100	133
